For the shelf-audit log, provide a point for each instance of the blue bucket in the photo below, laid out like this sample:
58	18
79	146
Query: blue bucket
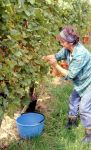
30	124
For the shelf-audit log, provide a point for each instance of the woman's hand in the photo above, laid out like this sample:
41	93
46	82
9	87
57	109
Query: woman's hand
50	59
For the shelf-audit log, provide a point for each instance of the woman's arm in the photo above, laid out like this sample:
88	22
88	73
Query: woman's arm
52	61
61	55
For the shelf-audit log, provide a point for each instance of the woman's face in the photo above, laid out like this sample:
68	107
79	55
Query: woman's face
66	44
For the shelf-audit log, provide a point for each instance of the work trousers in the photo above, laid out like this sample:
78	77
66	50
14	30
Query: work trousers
81	105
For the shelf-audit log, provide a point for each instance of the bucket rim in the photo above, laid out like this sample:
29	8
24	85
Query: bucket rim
31	125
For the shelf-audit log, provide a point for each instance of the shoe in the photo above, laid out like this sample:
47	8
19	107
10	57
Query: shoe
72	122
87	138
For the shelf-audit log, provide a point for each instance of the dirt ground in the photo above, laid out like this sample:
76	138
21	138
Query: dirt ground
8	131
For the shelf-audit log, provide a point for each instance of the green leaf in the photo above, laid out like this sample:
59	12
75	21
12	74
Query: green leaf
21	3
31	1
18	54
49	1
16	34
1	113
1	66
27	12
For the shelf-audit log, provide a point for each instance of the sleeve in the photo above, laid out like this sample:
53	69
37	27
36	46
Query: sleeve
76	66
61	54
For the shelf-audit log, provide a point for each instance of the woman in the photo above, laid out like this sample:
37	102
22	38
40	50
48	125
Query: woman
79	71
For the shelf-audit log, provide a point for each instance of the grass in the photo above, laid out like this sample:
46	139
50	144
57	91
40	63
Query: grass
55	136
